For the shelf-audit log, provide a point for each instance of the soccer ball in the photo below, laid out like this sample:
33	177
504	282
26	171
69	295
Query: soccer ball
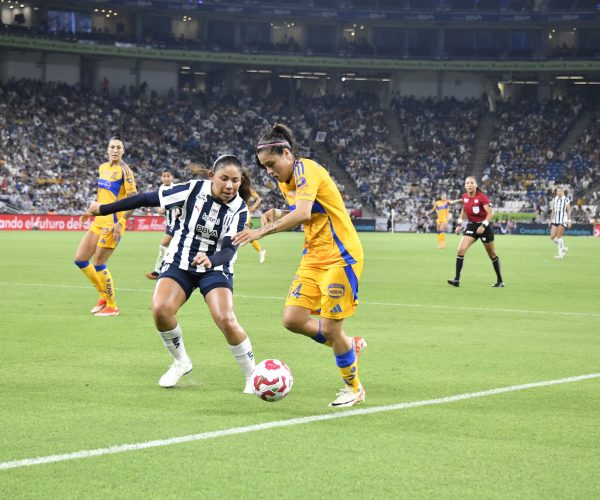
272	380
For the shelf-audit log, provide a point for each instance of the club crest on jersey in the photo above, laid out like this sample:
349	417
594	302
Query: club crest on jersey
300	182
336	290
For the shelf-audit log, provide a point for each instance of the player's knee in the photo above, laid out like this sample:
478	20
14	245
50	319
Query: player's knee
292	324
81	263
226	321
162	311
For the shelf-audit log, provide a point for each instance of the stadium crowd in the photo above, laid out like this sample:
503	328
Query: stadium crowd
53	137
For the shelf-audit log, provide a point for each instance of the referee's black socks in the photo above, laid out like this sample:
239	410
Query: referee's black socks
459	263
496	263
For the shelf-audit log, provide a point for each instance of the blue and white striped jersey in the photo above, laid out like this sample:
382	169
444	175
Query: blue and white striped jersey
172	215
560	204
204	222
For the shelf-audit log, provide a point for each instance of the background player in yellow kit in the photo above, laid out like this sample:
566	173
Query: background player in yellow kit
326	282
441	207
253	204
115	181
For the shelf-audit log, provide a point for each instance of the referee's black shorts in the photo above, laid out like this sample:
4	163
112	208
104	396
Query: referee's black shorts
471	230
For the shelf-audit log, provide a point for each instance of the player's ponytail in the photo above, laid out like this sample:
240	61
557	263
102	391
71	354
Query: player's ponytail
278	139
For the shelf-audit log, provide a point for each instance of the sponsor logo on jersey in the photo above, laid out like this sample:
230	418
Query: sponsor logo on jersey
336	290
210	218
205	232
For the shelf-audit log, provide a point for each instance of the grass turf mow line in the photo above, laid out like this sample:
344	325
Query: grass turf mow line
284	423
383	304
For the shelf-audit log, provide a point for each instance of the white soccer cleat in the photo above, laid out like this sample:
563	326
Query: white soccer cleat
249	387
174	373
559	256
262	255
347	397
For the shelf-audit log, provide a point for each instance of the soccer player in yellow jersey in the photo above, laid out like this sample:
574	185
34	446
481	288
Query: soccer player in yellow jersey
441	207
254	203
326	282
115	182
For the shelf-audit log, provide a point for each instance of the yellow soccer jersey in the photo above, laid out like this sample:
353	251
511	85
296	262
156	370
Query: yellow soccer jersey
330	239
115	182
441	207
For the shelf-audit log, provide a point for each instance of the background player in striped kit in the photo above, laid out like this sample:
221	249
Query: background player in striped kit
326	281
560	218
200	255
115	182
171	217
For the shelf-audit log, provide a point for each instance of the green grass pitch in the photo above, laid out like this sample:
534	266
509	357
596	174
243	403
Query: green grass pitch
71	382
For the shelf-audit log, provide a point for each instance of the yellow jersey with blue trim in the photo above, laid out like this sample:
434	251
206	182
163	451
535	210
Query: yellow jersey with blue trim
330	239
442	207
115	182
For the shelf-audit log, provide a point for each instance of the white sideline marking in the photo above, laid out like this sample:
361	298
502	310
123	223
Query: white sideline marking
281	423
584	314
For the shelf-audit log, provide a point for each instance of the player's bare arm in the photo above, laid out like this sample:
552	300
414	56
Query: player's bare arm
489	214
459	222
301	214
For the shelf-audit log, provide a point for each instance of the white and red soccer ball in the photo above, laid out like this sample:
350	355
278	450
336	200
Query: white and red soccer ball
272	380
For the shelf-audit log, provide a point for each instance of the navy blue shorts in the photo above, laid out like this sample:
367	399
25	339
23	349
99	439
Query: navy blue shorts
205	281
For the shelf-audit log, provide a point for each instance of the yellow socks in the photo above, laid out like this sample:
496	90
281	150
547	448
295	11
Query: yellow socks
348	365
108	284
92	275
256	246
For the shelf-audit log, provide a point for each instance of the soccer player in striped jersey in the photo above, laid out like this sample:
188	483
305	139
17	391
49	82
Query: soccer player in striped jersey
560	218
171	217
326	282
115	182
477	208
201	255
441	207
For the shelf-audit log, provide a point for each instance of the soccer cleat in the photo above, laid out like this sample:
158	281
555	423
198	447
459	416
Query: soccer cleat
151	276
101	304
455	283
360	344
108	311
262	255
174	373
347	397
559	256
249	387
498	284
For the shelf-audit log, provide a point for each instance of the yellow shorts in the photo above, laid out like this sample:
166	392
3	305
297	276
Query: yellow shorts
331	293
106	235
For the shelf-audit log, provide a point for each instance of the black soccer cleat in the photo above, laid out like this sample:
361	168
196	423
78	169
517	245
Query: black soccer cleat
498	284
455	283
